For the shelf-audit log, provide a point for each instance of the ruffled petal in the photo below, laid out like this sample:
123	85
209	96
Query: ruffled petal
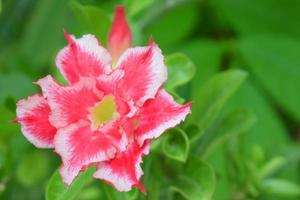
33	114
107	83
80	147
124	171
119	38
145	72
69	104
159	114
83	57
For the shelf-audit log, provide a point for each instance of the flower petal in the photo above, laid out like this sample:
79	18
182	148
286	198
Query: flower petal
159	114
119	38
80	147
69	104
83	57
124	171
33	114
145	72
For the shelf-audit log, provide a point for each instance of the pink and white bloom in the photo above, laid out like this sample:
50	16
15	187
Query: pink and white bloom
111	109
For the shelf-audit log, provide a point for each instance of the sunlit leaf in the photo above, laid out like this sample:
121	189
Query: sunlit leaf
136	6
280	188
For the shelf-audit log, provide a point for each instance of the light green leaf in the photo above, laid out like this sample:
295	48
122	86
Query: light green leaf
92	19
214	94
175	144
197	182
29	174
270	167
180	70
280	188
57	190
276	66
134	7
233	124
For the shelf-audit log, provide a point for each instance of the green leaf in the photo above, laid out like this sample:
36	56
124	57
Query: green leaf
233	124
280	188
161	19
214	94
8	83
29	175
270	167
112	194
260	16
193	132
57	190
92	19
276	66
250	98
180	70
175	144
7	129
43	35
197	182
136	6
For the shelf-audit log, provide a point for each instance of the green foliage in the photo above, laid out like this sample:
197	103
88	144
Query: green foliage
58	190
279	56
197	181
88	18
176	144
180	70
213	95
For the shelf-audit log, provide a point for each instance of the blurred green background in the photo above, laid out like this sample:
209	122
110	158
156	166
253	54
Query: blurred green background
237	60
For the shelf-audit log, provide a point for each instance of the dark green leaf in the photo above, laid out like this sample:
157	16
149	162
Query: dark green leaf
57	190
260	16
160	21
175	144
276	66
180	70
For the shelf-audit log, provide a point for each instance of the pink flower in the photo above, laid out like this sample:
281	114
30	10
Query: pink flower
111	109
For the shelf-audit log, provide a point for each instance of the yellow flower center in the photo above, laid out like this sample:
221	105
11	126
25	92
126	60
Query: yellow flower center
103	112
